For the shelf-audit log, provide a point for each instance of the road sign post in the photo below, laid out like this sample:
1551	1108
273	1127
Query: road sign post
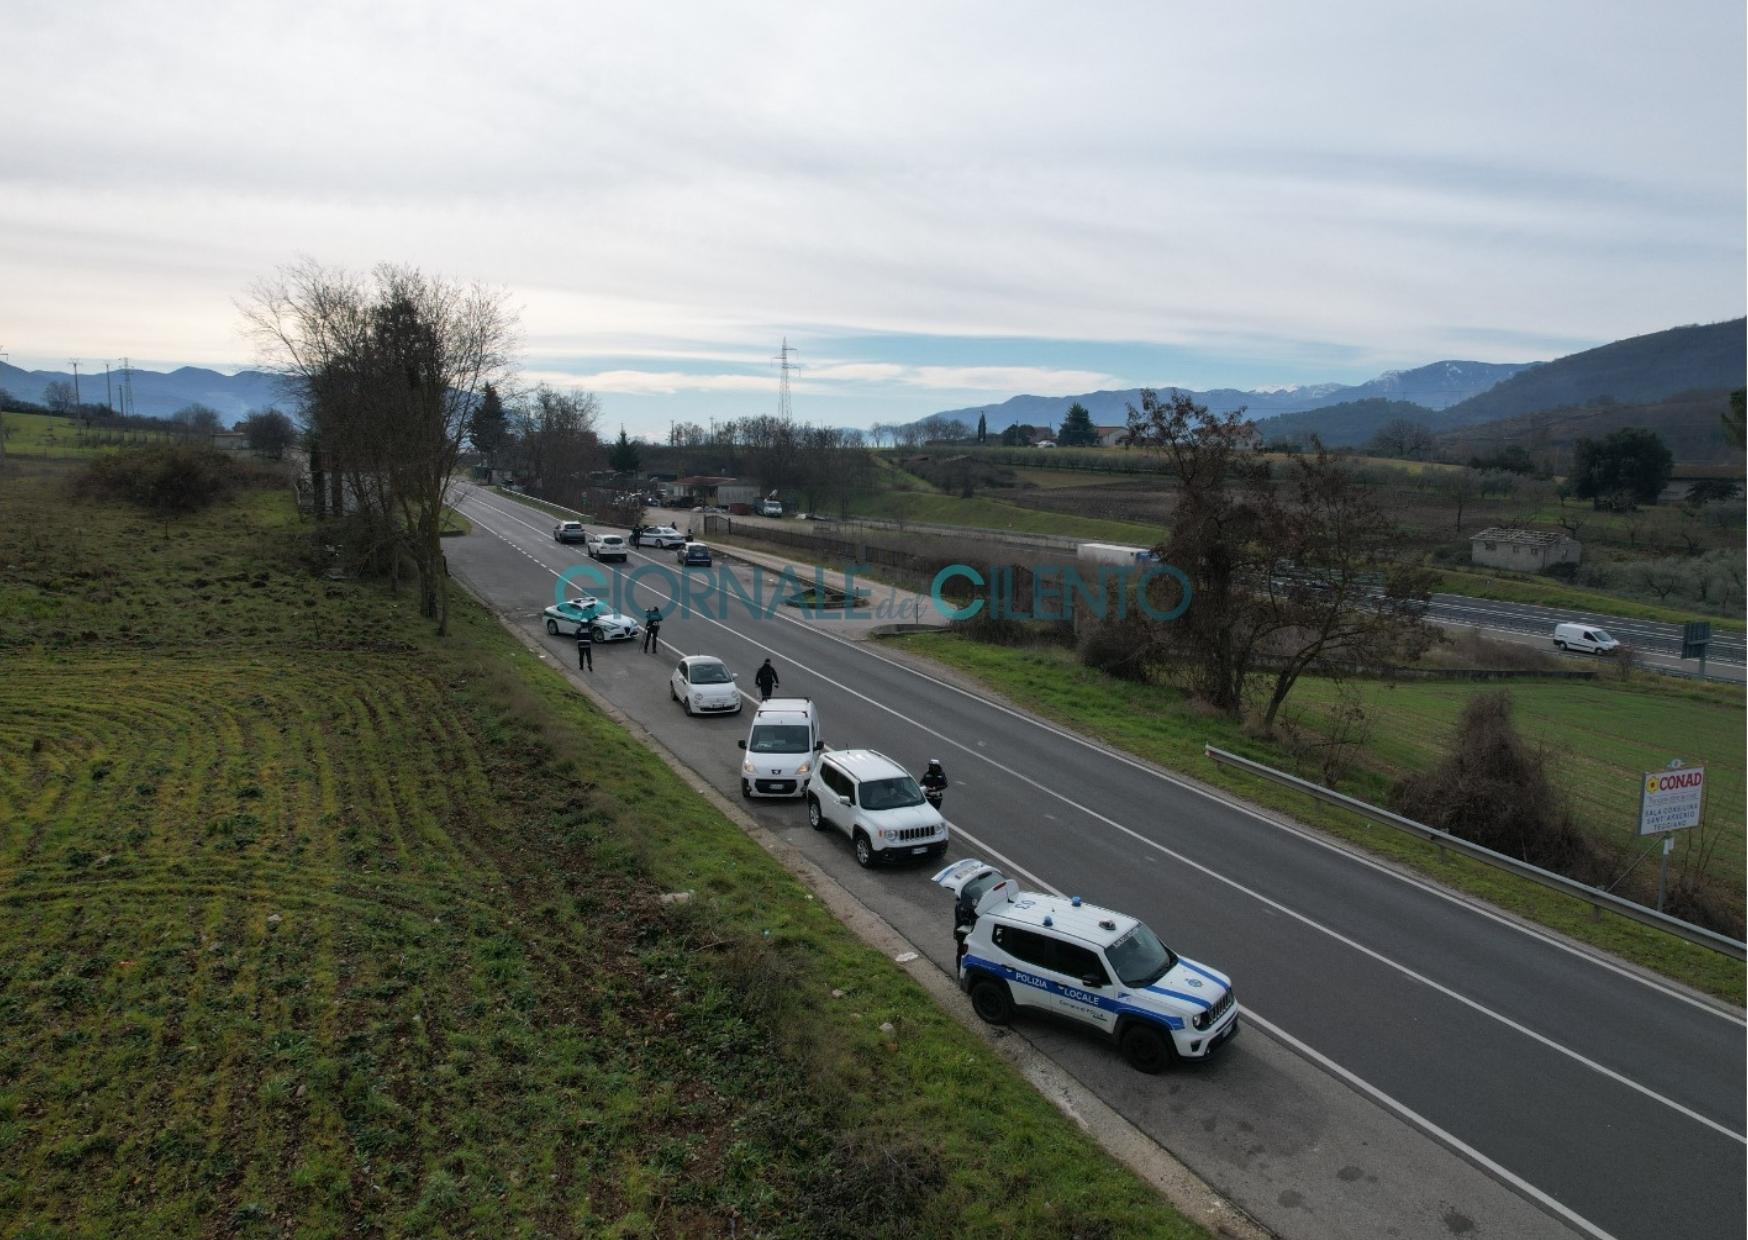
1670	800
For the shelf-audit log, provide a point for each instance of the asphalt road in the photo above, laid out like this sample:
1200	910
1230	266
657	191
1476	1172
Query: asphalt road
1412	1064
1658	645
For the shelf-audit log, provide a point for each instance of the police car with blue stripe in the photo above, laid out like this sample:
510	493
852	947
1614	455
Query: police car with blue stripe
1026	950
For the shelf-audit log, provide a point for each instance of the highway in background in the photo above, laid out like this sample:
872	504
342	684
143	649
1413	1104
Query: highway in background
1412	1063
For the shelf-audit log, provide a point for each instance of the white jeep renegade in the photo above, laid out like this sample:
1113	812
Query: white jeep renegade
1023	949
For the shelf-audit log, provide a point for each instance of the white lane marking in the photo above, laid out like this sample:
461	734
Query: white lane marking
1414	1118
1303	919
1467	904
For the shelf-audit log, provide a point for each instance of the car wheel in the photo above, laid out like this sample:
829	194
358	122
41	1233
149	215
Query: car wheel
991	1001
1145	1048
687	703
552	626
597	634
746	790
815	819
864	850
1560	644
671	692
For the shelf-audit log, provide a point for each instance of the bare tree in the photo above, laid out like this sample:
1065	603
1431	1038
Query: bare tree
1401	437
388	368
1461	487
58	396
556	445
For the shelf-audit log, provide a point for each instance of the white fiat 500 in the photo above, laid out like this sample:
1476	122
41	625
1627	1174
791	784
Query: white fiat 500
567	619
703	684
875	802
1090	966
782	747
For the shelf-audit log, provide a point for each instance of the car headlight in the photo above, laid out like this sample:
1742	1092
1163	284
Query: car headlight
804	768
747	767
1200	1020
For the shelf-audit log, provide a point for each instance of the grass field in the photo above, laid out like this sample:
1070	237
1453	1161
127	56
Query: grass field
1160	725
50	437
316	925
991	514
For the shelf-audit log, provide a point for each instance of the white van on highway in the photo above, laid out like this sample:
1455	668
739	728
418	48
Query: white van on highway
1587	638
781	748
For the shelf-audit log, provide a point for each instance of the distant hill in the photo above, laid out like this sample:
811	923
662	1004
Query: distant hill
1639	369
1433	387
1350	424
1689	422
159	393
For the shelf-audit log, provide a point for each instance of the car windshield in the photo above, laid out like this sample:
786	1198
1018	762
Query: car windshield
1601	635
709	674
897	793
1139	958
779	738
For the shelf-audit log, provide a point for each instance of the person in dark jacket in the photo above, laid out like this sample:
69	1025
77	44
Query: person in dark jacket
766	679
934	782
585	649
652	629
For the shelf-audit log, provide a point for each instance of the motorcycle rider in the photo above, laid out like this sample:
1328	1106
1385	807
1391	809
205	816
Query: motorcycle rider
934	782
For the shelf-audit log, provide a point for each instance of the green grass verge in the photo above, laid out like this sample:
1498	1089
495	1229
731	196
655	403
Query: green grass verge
1545	592
1161	726
991	514
551	509
454	524
317	924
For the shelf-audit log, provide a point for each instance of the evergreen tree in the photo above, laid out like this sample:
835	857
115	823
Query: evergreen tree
1014	437
1631	466
488	426
1077	430
982	428
624	457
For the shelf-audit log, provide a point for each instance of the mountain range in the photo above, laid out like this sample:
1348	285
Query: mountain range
158	393
1434	386
1643	371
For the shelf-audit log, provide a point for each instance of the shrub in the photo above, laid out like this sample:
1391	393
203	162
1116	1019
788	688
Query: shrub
168	479
1494	789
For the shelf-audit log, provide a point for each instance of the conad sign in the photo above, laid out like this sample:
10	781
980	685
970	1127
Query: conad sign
1671	800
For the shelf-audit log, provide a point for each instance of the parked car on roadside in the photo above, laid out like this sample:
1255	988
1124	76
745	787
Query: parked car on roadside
875	802
781	748
568	618
1087	965
569	532
693	555
662	537
607	547
703	685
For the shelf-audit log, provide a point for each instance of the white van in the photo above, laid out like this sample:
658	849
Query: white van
781	748
1584	637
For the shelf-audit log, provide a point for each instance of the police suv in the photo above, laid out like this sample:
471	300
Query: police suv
1023	949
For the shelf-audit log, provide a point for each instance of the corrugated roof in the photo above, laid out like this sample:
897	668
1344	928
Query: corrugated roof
1533	538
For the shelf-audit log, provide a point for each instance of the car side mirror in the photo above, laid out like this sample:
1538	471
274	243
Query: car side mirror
818	746
1092	980
734	675
844	801
741	743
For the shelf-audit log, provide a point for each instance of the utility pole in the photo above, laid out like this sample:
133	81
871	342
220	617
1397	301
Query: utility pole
3	356
108	393
76	401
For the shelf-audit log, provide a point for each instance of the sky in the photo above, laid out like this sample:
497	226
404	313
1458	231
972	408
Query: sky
937	205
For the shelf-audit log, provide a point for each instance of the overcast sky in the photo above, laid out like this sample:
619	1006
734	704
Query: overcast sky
939	205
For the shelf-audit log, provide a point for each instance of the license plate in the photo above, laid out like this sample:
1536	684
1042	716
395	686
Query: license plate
915	852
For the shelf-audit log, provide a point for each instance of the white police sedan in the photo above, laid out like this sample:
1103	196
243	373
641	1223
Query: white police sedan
569	618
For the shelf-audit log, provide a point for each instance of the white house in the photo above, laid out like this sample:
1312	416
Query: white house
1527	551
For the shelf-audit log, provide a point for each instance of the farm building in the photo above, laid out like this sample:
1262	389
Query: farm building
1527	551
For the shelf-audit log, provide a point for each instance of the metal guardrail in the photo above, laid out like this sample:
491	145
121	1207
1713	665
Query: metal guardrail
1597	898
